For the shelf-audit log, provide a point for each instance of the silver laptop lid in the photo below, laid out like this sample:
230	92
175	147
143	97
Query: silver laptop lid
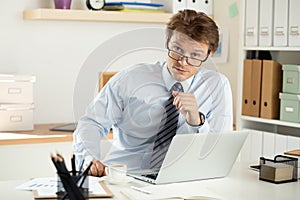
201	156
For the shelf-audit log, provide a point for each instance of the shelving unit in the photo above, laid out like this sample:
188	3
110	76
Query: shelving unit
96	16
283	55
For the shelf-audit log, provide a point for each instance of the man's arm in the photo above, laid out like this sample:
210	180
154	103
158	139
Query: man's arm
94	126
220	117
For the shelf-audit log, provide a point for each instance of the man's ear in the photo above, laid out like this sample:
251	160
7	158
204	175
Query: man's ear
210	53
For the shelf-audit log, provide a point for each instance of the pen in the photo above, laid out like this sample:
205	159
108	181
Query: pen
85	174
140	190
81	166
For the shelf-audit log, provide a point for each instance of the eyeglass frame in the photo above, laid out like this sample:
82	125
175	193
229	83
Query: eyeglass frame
187	57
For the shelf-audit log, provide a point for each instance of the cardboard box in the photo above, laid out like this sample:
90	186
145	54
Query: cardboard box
16	88
289	107
16	117
291	79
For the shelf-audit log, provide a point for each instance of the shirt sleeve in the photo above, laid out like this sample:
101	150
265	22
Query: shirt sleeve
100	115
219	117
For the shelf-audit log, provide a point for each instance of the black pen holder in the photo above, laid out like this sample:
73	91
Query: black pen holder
72	186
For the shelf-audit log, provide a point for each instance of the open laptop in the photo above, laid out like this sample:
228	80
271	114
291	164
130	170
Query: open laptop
197	157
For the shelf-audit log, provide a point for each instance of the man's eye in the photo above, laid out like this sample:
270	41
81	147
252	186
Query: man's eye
196	55
177	49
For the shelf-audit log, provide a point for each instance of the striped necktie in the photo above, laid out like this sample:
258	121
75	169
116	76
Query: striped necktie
166	131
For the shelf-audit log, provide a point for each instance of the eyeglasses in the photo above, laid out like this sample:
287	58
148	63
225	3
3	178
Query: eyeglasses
195	60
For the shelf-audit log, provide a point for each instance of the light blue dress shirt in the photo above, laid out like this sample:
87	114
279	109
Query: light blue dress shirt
132	104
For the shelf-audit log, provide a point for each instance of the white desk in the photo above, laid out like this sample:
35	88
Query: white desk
241	184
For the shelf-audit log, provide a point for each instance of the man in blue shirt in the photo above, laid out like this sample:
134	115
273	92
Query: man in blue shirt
132	102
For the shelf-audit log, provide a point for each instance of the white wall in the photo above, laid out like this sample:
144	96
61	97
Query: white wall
230	69
54	51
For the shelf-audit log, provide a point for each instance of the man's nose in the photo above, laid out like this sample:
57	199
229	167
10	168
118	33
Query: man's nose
183	60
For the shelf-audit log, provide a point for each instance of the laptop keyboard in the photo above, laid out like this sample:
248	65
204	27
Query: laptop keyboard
152	176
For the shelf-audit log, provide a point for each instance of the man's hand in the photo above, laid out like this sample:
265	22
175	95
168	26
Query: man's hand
97	168
187	105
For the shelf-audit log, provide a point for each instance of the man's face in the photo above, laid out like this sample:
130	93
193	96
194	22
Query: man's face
179	67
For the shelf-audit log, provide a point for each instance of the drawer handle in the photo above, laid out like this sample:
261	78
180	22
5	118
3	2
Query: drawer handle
294	30
16	118
290	80
289	109
264	31
279	31
14	90
250	31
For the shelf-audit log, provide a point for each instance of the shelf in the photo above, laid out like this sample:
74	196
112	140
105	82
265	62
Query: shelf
271	121
272	48
96	16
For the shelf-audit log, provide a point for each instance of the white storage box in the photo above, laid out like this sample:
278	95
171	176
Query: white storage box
16	88
16	117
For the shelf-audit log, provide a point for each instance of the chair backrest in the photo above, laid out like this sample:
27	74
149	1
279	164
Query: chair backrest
104	77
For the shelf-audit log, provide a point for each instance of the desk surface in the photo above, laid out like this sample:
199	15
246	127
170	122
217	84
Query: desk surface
241	184
40	134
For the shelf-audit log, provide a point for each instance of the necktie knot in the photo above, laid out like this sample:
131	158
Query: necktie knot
177	87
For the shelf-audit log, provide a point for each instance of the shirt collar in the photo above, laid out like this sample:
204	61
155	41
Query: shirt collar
170	81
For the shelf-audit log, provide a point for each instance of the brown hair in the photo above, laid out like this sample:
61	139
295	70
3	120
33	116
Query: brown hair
196	25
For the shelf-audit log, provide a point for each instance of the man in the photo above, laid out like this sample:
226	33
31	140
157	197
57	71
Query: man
133	101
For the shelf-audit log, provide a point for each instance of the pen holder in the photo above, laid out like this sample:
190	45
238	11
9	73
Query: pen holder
280	170
72	187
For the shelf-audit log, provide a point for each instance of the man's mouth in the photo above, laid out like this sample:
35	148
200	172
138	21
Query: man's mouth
179	69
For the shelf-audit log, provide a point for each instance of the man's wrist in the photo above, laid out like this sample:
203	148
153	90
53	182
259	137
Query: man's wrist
202	120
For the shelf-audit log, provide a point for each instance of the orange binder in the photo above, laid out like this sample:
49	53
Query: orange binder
252	87
271	87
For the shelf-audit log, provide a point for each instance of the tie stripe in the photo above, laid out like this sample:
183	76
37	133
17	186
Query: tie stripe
167	130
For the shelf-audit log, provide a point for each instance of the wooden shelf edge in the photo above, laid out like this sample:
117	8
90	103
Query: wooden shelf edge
47	136
104	16
66	138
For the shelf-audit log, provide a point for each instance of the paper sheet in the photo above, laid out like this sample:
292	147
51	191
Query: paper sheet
39	183
48	186
177	192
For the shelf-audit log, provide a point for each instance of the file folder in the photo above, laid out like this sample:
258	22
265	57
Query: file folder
256	88
266	23
252	87
294	23
251	22
280	23
270	89
246	87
